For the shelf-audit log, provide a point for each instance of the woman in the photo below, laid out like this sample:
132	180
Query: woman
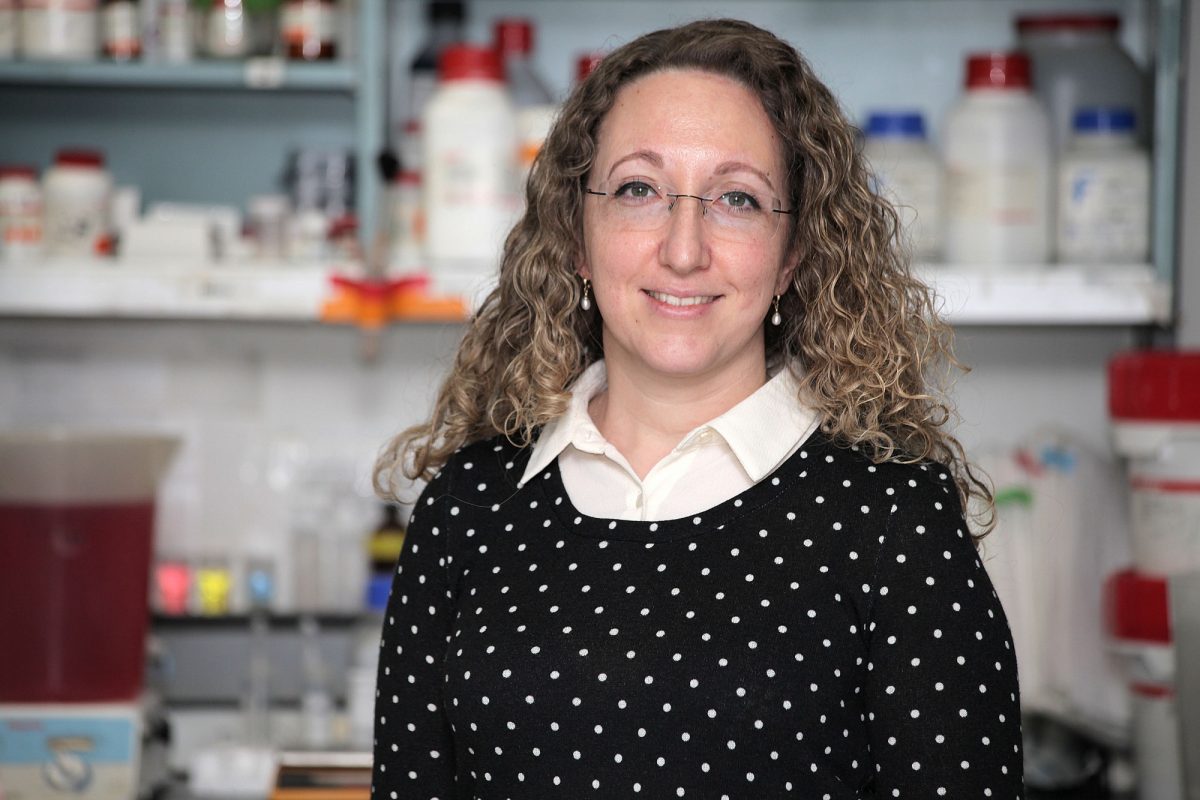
693	525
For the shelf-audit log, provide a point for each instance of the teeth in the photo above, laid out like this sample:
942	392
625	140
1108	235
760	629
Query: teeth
672	300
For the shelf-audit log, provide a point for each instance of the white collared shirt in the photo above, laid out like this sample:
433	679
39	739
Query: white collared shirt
711	464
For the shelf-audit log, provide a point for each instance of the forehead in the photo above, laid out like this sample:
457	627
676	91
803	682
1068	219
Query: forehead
687	116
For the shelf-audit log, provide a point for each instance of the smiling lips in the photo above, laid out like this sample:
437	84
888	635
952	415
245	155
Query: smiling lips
672	300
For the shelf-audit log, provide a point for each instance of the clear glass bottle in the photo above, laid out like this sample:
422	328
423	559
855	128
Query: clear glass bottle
1078	61
364	662
514	39
531	96
227	30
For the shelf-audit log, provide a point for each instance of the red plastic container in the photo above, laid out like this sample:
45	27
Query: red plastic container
76	539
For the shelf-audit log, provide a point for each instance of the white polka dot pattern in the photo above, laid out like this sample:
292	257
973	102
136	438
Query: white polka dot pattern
830	634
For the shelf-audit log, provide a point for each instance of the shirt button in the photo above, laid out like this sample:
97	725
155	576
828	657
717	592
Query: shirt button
638	501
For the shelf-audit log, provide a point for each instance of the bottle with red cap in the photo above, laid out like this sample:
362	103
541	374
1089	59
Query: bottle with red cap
997	152
77	193
470	148
1078	62
531	97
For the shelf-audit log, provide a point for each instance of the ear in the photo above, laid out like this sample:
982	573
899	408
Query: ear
583	270
786	274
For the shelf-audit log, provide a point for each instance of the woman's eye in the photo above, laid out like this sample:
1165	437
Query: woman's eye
741	201
635	189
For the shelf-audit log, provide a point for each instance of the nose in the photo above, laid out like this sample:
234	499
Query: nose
684	246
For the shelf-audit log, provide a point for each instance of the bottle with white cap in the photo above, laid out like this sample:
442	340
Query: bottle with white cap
1104	191
998	167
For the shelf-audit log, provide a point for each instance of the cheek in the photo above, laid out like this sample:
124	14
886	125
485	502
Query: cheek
756	270
613	258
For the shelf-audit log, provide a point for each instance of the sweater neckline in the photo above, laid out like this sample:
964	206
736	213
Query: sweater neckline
551	485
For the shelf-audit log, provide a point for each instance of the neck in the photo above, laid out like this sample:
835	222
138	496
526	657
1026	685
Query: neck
645	415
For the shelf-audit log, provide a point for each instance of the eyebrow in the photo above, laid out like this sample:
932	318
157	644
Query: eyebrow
724	168
739	166
645	155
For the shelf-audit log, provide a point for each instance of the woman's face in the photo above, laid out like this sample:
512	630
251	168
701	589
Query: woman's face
684	292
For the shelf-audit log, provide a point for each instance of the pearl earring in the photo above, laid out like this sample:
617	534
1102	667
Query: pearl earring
776	318
586	302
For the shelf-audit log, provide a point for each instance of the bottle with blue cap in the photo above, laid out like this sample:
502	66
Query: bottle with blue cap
1104	191
908	173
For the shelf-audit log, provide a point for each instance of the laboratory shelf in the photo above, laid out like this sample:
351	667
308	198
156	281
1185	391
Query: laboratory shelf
1053	295
252	74
1057	294
121	290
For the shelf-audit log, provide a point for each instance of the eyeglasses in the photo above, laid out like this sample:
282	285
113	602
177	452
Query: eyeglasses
734	213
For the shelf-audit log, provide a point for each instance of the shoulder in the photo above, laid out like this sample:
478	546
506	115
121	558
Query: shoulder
898	482
911	495
495	464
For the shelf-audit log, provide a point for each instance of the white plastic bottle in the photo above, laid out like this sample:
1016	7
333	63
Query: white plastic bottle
60	30
20	214
1104	191
908	173
176	31
998	168
364	663
8	29
121	30
77	192
470	147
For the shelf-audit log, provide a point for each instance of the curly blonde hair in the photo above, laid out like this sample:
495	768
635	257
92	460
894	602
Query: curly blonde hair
875	356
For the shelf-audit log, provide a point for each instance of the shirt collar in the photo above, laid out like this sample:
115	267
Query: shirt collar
574	423
764	429
761	431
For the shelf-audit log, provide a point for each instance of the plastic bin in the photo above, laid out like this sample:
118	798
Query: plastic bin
76	540
1154	402
1140	627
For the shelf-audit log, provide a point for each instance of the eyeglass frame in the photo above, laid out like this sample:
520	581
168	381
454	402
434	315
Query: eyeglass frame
705	202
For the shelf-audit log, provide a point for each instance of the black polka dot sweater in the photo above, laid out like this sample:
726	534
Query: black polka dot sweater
829	633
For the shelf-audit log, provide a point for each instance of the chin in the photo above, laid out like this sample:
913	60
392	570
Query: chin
683	364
